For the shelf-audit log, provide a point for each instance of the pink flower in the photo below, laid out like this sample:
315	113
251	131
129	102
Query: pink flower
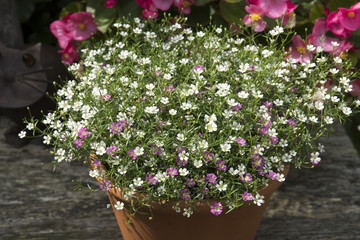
69	54
81	25
334	25
350	18
299	51
83	133
356	88
59	30
342	48
289	18
276	8
255	17
110	3
247	196
163	4
184	5
216	208
318	38
150	11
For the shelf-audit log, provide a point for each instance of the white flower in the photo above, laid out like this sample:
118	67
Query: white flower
167	76
328	120
47	139
119	205
233	171
183	172
314	158
221	186
172	112
180	137
203	144
138	151
22	134
187	212
164	100
225	147
198	163
94	173
243	94
100	150
211	127
319	105
258	199
278	102
200	34
122	170
151	110
218	30
30	126
138	182
313	119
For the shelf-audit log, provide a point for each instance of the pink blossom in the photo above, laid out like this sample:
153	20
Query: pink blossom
184	5
299	51
276	8
350	18
81	25
110	3
83	133
356	88
59	30
342	48
150	11
289	18
216	208
247	196
163	4
334	25
255	18
69	54
318	38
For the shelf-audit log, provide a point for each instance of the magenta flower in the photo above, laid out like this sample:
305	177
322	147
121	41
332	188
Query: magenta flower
172	172
334	25
83	133
151	179
350	18
216	208
69	54
255	17
342	48
292	122
241	141
132	154
78	142
299	51
163	4
276	8
318	38
247	196
117	127
211	177
105	185
221	165
59	30
81	25
96	163
110	3
272	175
258	162
207	156
247	177
190	182
185	194
112	151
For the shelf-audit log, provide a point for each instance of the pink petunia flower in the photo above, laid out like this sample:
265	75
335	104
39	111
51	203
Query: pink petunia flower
299	51
110	3
334	25
255	17
81	25
163	4
350	18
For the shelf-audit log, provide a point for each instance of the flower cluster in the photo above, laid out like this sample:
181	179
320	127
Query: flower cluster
74	26
183	114
151	7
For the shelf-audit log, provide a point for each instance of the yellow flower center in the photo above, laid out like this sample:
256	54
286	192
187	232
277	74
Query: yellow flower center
301	50
291	14
351	14
81	26
344	56
66	55
255	17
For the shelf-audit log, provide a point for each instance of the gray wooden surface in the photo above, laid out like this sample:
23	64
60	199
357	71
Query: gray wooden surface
37	203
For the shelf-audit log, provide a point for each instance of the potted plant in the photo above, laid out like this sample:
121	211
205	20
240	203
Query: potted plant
195	125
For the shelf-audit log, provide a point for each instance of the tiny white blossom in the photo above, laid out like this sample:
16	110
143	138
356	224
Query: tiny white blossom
221	186
183	171
180	137
198	163
119	205
22	134
138	182
94	173
172	112
225	147
151	110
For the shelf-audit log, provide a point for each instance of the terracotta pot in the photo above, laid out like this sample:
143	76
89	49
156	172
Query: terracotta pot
166	224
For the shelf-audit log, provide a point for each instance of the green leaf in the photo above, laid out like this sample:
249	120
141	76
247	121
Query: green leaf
334	5
71	8
104	17
316	12
233	12
233	1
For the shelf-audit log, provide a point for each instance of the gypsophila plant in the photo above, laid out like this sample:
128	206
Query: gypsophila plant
190	115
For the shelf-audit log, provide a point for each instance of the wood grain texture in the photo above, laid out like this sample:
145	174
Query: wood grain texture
37	203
